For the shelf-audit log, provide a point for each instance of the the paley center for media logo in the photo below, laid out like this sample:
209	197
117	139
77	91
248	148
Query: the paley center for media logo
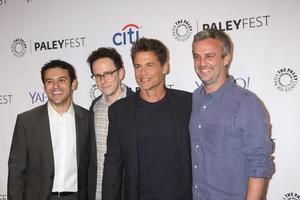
94	92
182	30
291	196
19	46
128	34
285	79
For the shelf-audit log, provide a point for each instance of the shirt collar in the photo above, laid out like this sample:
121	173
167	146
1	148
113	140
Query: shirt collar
229	83
53	112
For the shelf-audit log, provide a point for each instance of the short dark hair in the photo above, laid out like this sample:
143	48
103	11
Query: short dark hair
59	64
156	46
227	45
105	52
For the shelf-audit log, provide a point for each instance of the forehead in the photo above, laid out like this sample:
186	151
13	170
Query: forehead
145	56
104	63
207	45
56	72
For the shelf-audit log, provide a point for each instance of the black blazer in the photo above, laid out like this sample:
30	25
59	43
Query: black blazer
31	160
93	165
122	147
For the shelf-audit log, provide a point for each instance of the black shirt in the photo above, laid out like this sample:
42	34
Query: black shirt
158	154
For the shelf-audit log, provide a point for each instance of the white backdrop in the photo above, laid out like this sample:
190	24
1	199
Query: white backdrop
266	57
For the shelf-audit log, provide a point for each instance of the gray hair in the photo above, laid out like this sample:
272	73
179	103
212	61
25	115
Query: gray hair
227	45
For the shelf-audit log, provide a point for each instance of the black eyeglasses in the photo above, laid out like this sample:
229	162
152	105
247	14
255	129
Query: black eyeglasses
106	75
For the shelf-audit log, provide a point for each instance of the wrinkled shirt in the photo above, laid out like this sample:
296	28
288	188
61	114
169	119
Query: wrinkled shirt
230	142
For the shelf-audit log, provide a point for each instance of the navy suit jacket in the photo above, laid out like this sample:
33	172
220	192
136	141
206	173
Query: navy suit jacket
122	147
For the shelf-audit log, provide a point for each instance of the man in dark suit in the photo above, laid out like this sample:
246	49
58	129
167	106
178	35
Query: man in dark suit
148	137
49	155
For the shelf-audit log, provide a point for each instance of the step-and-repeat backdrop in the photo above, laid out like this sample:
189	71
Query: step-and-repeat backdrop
266	58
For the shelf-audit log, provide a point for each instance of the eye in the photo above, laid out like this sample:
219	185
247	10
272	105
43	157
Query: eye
62	80
106	74
49	81
150	65
195	57
137	66
210	56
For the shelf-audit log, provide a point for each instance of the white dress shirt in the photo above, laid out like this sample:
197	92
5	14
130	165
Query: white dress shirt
63	137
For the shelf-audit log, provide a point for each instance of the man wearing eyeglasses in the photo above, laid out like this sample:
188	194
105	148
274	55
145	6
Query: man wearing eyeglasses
108	72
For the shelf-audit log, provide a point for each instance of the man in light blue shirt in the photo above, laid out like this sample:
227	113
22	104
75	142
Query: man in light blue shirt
230	139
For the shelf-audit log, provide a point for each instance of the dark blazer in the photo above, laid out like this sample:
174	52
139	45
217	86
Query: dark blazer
122	147
93	165
31	160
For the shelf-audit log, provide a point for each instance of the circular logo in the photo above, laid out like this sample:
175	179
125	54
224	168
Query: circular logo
94	92
182	30
291	196
285	79
18	47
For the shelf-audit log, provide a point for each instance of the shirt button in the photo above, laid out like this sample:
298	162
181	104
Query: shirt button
195	186
199	126
197	146
195	166
204	107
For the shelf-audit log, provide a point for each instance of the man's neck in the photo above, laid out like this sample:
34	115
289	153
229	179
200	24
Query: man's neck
153	96
114	97
61	109
214	87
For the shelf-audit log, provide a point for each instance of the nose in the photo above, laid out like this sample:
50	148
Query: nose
201	62
102	80
143	70
55	84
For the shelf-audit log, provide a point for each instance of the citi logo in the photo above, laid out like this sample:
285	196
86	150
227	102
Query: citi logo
128	35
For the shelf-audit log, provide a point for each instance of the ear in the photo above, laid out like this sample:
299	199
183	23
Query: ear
121	73
74	85
166	68
227	59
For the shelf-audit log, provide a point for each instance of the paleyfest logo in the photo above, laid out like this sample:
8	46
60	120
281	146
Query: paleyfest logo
182	30
18	47
285	79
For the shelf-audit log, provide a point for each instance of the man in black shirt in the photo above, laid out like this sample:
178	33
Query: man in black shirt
148	139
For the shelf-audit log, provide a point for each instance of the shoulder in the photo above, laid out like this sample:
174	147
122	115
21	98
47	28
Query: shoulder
244	94
94	102
129	91
180	94
124	102
34	112
81	110
248	101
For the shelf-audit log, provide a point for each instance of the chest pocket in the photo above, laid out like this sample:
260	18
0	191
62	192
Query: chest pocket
215	137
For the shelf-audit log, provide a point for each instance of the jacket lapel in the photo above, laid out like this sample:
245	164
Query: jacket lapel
79	119
43	127
176	116
132	139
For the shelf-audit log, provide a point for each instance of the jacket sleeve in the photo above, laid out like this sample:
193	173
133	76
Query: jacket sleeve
113	163
17	162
